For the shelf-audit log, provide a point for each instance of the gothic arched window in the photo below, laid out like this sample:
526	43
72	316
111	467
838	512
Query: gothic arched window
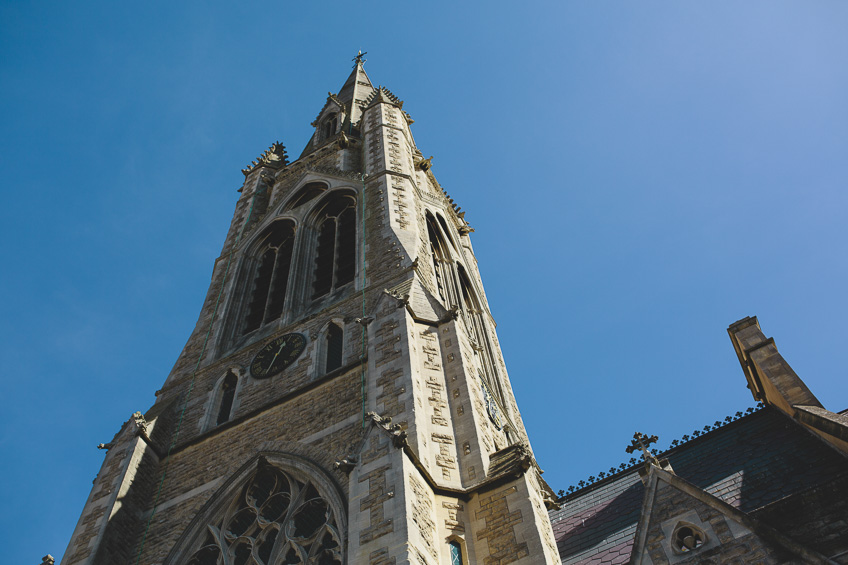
440	256
275	517
335	254
472	316
469	298
227	395
334	348
270	276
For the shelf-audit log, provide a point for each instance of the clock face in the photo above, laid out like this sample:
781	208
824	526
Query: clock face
491	405
276	355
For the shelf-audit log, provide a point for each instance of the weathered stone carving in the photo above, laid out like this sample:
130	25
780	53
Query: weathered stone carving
396	432
274	157
346	464
424	164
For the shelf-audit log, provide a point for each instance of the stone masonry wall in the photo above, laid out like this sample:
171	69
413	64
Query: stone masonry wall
328	418
734	544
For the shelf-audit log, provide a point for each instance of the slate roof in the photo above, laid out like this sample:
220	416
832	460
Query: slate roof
749	463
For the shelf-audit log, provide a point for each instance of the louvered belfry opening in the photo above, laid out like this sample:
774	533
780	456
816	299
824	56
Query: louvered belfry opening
335	255
335	342
271	278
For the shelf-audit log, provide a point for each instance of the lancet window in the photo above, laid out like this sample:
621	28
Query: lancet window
271	275
333	348
441	260
455	552
335	254
330	125
226	397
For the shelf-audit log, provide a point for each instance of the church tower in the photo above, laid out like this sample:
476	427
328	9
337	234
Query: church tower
343	398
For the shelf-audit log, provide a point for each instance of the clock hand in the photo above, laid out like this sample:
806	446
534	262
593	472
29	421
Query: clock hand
282	345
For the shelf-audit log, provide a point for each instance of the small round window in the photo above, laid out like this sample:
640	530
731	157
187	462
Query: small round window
687	538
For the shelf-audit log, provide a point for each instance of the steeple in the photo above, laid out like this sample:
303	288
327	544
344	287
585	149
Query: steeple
343	398
342	112
356	88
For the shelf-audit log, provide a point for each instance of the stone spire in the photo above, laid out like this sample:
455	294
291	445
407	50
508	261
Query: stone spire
342	113
356	89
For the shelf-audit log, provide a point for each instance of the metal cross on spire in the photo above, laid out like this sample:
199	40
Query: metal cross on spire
641	441
359	60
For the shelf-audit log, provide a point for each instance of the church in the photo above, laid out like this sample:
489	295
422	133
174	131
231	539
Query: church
343	399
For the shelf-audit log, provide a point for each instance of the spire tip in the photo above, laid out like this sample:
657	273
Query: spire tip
358	59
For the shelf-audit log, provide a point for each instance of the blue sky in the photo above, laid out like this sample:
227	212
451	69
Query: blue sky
639	176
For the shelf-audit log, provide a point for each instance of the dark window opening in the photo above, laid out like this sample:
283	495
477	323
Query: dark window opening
324	258
271	278
437	252
307	193
444	225
261	285
335	342
346	254
335	256
469	299
280	280
688	538
330	125
228	394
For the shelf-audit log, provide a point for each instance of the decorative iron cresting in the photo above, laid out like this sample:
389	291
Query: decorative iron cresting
633	461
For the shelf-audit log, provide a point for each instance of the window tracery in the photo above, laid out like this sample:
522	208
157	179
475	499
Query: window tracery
687	537
306	193
276	519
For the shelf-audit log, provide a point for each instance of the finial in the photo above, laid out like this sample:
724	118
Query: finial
359	60
641	441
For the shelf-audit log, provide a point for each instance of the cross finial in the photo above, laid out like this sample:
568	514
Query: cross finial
641	441
359	60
